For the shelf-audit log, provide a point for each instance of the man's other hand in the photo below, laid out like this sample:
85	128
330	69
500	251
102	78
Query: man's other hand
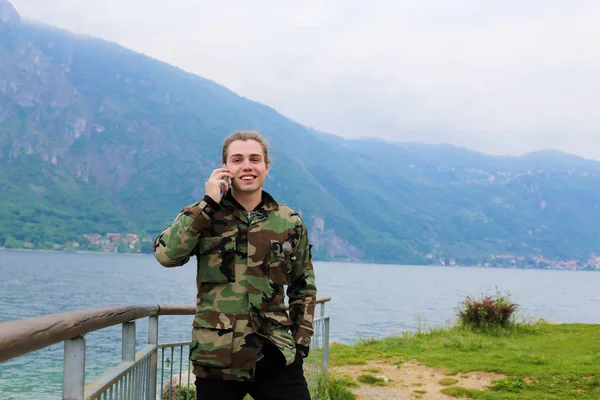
303	350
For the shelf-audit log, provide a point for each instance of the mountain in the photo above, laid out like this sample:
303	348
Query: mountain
95	138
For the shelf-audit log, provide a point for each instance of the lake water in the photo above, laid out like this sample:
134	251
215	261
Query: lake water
367	301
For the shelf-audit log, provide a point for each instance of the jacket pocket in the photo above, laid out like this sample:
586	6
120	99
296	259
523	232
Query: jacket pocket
279	318
212	339
216	259
280	332
280	264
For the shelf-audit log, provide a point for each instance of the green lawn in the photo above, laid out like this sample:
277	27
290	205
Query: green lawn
541	361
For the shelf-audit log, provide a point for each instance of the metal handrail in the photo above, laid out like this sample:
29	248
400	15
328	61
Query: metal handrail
27	335
116	373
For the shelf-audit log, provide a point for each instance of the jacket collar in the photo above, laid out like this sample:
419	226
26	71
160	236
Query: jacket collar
267	203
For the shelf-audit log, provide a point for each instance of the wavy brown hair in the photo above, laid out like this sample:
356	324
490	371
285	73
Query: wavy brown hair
246	135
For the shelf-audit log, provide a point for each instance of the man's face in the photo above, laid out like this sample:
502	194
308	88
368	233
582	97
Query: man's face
246	162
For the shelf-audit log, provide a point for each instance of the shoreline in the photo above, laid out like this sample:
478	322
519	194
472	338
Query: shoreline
456	266
76	252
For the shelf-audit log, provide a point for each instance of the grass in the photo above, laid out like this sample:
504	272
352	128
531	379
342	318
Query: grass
540	360
448	381
337	388
373	369
460	392
371	380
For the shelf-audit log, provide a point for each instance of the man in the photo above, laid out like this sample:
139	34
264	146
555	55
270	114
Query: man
248	248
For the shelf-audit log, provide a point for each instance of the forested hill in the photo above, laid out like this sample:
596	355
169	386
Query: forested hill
97	139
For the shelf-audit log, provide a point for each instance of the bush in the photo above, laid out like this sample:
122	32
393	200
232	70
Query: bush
487	312
181	393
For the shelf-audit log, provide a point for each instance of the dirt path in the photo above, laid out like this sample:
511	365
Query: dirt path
409	380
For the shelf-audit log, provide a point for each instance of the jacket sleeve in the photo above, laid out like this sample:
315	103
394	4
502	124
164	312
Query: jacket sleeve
302	292
174	246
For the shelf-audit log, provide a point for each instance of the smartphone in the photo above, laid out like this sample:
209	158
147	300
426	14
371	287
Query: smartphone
226	179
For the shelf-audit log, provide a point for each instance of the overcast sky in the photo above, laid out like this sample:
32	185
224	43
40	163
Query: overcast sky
498	77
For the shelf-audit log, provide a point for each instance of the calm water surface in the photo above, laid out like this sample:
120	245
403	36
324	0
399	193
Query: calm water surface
367	301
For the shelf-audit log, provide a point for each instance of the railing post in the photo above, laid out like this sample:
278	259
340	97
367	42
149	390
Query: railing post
74	369
153	339
129	341
153	330
325	355
322	310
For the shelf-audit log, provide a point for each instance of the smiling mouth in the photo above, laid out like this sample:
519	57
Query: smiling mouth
247	178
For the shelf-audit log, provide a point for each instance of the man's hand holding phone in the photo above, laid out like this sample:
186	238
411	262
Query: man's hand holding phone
218	183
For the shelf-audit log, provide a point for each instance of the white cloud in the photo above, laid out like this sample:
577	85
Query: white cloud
503	77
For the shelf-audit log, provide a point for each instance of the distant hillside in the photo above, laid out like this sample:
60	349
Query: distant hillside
95	138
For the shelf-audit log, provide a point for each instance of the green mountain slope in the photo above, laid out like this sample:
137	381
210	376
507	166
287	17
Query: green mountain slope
95	138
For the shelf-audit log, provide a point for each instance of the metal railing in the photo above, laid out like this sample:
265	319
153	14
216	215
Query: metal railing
315	365
175	371
137	376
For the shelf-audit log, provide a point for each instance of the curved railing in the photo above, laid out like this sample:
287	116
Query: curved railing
26	335
21	337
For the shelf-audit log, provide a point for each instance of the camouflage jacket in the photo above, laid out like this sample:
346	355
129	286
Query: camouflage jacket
243	268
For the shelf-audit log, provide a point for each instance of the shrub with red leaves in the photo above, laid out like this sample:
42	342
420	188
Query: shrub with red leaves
486	312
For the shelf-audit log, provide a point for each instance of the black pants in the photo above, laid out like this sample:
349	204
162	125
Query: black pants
273	381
